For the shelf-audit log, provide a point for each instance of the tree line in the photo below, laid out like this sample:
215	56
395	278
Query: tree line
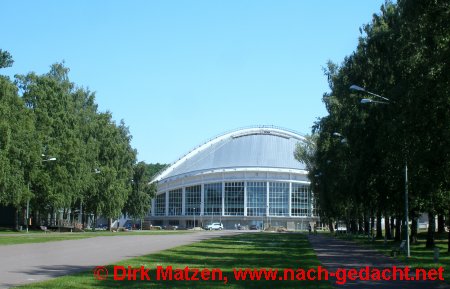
59	155
358	153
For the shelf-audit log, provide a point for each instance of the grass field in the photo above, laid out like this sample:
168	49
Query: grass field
252	250
41	237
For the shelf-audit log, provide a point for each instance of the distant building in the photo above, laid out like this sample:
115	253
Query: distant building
248	177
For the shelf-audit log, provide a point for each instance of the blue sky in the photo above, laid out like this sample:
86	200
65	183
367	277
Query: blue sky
181	72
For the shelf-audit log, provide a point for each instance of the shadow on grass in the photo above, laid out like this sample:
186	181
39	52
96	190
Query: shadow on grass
254	251
421	257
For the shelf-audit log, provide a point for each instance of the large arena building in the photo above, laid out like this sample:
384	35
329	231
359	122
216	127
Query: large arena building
247	177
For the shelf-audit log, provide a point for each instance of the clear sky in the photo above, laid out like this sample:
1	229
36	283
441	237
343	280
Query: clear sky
181	72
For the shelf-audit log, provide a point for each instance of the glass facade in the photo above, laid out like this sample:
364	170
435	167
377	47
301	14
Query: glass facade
160	205
300	204
175	202
256	198
278	199
193	200
213	199
234	199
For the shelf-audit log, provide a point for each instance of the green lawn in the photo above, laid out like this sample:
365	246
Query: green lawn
420	256
41	237
251	250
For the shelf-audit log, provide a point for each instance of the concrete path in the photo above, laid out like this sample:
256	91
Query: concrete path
27	263
334	254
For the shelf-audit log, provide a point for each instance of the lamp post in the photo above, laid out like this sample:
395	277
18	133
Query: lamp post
388	101
194	218
28	201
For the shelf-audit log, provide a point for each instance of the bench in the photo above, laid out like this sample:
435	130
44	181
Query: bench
44	228
400	249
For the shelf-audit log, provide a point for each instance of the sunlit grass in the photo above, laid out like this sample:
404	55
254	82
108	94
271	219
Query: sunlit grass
41	237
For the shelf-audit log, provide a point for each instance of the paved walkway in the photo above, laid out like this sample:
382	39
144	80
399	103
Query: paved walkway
334	253
27	263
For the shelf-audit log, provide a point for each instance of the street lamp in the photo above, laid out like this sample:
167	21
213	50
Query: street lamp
28	201
343	139
388	101
358	88
368	100
194	218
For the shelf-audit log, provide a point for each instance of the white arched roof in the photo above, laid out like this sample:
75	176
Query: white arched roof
248	148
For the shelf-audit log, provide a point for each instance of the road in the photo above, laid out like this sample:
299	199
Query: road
27	263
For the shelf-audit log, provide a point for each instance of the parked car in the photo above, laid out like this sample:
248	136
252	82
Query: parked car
171	227
215	226
253	227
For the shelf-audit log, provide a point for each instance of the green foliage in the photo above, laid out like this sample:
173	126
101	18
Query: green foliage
139	201
154	169
6	59
403	55
58	151
17	145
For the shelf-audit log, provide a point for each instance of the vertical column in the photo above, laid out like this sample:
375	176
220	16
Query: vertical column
183	201
202	200
153	207
290	199
167	203
245	198
267	199
223	198
310	201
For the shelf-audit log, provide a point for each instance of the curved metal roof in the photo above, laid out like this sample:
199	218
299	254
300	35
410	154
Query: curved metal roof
256	147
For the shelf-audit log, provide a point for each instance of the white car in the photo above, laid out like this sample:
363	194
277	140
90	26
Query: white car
215	226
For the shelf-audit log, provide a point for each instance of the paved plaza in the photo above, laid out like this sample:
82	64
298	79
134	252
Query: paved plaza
27	263
335	253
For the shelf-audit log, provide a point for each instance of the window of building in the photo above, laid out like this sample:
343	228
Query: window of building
175	202
256	198
213	199
300	204
193	200
278	199
160	205
234	199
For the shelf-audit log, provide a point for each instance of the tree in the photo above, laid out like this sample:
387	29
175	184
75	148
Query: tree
154	169
6	59
402	55
18	149
84	142
139	200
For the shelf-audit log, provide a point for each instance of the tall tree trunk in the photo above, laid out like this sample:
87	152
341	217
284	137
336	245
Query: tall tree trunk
361	225
372	224
379	227
448	243
441	224
414	224
330	225
387	227
16	219
392	226
431	231
353	226
398	227
110	224
94	221
366	225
